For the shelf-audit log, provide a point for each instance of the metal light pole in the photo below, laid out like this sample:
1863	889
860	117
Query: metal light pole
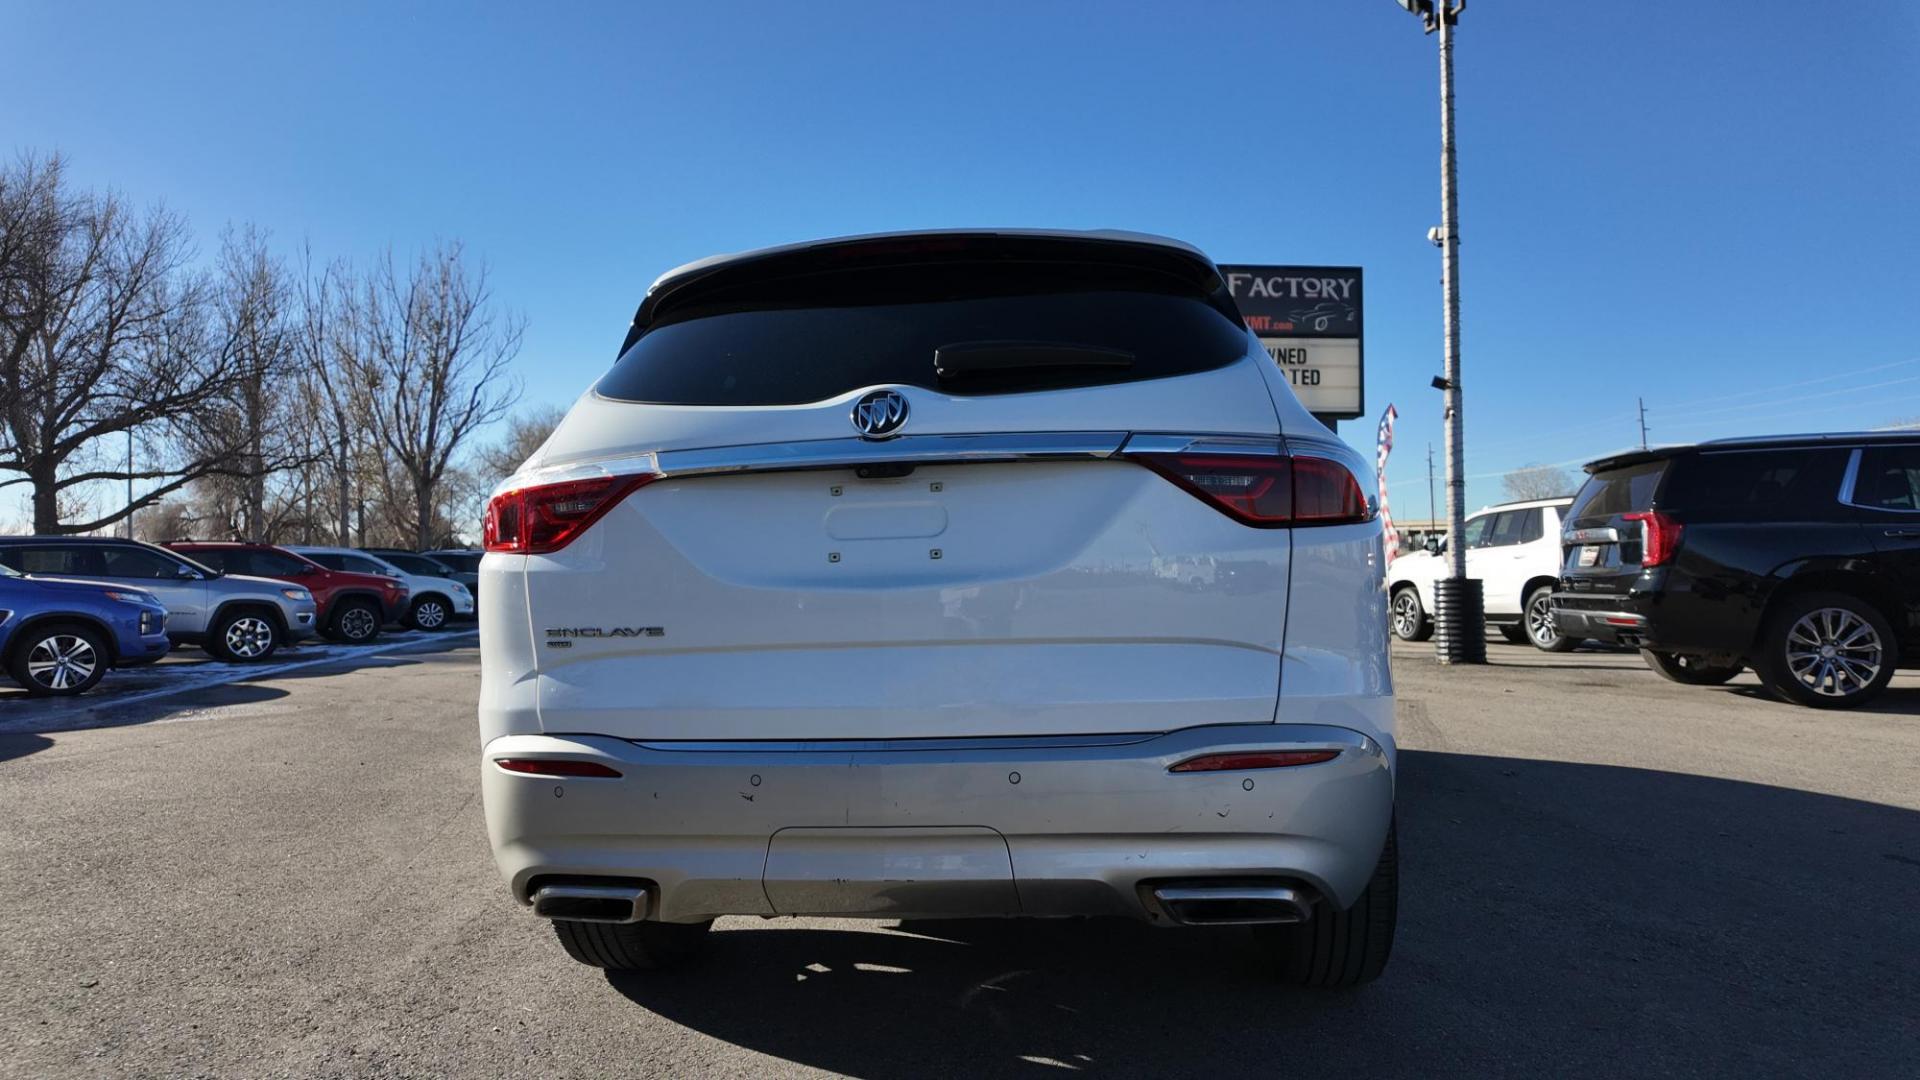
1460	633
129	483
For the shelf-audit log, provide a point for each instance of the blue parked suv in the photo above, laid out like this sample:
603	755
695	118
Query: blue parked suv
59	636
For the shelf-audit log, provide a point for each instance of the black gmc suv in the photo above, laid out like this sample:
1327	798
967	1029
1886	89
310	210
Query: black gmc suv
1798	556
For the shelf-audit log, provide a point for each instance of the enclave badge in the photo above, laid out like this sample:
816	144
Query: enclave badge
605	631
880	414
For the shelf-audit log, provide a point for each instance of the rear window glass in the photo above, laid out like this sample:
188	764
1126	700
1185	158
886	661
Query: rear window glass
809	337
1618	491
1767	483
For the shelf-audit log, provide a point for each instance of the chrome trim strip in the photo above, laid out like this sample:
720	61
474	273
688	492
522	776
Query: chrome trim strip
907	449
1308	736
1851	476
1314	446
1165	443
1591	536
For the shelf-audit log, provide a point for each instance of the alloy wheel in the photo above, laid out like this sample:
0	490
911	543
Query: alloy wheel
1834	652
62	661
429	615
1406	615
1541	625
357	624
249	637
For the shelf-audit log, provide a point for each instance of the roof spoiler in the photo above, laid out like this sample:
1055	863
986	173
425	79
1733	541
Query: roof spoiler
688	284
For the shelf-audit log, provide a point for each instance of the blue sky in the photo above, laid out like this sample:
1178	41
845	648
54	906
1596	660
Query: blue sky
1710	204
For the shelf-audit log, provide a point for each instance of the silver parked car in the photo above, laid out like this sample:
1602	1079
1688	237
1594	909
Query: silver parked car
232	616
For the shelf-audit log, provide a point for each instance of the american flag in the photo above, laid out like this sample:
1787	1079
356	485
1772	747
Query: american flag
1390	535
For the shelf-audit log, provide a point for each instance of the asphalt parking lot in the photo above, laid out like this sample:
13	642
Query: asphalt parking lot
1603	874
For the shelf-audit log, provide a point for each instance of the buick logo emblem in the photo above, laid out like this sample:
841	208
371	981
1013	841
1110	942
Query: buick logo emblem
880	414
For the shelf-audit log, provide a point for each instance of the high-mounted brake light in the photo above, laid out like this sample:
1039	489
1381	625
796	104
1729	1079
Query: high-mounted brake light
556	767
1269	492
1261	759
1659	536
545	518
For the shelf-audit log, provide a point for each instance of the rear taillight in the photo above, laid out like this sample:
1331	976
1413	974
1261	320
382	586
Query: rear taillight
544	518
1659	536
1269	492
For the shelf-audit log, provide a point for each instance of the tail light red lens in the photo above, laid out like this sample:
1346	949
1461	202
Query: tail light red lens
1659	536
546	518
1269	492
539	767
1265	759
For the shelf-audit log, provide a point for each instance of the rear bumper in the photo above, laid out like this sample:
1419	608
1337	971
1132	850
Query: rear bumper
1611	618
1060	825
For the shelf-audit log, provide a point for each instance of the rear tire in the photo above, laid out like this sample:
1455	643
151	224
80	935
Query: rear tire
640	946
1793	662
1340	949
58	660
1515	635
1538	624
1409	619
1691	670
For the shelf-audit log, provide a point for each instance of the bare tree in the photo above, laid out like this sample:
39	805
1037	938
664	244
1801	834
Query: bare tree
1538	482
332	399
258	416
526	430
103	330
430	350
171	519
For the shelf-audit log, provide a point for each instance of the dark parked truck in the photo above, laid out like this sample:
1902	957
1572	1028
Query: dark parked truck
1797	556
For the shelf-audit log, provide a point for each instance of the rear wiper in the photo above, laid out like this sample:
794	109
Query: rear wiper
966	358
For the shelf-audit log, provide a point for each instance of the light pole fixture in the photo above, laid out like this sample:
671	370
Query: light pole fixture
1460	629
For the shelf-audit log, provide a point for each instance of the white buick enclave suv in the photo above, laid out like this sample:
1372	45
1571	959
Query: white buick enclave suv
932	575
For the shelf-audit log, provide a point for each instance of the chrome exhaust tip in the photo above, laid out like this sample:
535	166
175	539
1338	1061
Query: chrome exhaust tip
1232	904
591	903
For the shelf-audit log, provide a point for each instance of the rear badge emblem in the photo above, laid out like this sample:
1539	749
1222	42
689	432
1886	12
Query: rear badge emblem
880	414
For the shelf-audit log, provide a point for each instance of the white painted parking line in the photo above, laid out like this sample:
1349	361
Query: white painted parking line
62	712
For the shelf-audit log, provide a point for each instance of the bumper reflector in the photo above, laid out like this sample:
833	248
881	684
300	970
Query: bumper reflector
556	767
1261	759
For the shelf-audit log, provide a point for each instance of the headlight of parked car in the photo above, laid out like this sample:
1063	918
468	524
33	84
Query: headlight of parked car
296	594
459	588
132	598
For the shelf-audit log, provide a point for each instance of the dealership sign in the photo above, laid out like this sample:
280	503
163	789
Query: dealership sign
1308	317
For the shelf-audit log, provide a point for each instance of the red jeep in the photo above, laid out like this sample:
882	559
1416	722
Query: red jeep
352	607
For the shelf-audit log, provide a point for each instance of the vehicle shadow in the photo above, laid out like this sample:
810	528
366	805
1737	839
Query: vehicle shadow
1894	701
1645	923
20	744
